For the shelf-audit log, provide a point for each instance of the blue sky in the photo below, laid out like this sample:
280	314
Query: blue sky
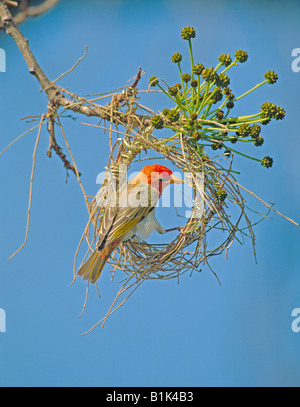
194	333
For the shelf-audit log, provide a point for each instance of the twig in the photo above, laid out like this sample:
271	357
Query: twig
137	79
19	137
30	189
85	301
268	206
73	67
55	97
32	11
54	146
74	166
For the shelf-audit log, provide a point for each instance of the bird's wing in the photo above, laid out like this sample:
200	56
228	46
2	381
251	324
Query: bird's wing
117	221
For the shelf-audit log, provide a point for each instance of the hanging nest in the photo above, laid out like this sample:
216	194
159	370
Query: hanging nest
189	249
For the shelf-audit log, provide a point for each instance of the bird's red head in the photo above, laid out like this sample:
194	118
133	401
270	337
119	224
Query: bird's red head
159	176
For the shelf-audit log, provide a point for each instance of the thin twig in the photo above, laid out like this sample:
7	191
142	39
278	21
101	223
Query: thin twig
268	206
30	189
32	11
73	67
19	137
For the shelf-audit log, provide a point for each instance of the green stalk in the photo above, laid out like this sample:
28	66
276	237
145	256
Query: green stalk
181	107
166	93
217	67
191	56
166	140
183	88
244	155
176	101
251	90
203	103
198	93
245	121
249	116
229	66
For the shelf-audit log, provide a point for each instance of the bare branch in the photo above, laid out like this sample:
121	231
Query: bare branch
32	11
137	79
23	45
53	92
30	189
54	146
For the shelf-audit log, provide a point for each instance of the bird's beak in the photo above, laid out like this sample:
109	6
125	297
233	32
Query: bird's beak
175	180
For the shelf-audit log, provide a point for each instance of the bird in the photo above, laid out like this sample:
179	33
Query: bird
137	216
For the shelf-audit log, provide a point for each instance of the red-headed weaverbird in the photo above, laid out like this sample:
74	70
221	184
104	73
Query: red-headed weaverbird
136	214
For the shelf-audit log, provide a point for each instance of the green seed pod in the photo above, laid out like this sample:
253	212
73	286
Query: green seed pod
209	75
217	96
176	58
258	141
271	77
153	81
222	80
280	113
173	115
221	194
244	130
241	56
157	122
271	111
225	59
197	69
173	90
187	33
227	90
186	77
230	105
267	162
255	131
194	83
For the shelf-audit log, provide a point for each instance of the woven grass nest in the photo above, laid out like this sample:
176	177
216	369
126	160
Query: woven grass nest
189	249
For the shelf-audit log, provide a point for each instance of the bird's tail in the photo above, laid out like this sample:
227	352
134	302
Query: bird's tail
92	268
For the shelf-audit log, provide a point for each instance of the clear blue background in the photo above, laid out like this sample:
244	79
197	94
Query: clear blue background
195	333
